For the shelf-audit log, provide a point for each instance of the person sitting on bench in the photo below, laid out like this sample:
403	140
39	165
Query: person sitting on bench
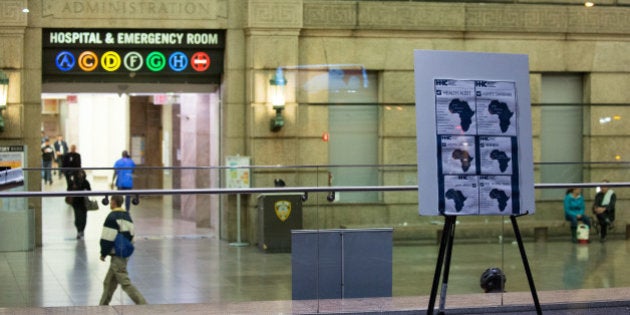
574	210
604	209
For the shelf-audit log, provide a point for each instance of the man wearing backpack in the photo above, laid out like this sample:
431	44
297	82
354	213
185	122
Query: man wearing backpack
118	222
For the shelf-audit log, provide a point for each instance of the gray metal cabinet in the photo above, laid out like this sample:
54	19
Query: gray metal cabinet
344	263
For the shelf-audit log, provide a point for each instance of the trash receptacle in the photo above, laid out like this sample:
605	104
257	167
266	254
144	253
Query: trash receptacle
278	214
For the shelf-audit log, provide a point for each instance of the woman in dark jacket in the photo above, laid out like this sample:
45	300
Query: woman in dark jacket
78	181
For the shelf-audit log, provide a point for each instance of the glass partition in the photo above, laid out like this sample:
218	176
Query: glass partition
480	242
196	235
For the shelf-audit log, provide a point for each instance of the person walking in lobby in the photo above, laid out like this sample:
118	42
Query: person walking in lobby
604	209
61	149
123	175
48	155
71	163
79	182
117	222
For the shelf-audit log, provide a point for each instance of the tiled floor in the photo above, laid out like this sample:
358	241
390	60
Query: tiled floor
176	263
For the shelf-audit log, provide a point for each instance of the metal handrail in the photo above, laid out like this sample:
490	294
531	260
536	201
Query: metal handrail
221	167
230	191
302	166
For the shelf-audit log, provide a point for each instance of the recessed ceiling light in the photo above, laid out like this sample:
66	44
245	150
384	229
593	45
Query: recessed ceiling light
26	10
588	4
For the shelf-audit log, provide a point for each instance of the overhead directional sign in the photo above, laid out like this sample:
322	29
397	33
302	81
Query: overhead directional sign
130	55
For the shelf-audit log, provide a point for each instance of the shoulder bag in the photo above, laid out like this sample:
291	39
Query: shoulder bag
122	246
91	204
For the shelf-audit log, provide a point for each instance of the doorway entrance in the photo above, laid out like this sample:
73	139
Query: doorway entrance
160	130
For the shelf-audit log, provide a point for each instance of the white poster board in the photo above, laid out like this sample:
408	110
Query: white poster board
474	135
17	224
12	161
237	175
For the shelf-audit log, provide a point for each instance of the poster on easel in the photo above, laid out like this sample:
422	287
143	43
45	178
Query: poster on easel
474	134
237	173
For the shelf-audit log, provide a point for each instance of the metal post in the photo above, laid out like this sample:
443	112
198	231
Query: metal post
447	267
528	271
238	242
449	222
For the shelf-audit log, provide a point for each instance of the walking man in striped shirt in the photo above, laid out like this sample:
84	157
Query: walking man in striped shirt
117	221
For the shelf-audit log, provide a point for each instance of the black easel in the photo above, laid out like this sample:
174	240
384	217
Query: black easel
444	259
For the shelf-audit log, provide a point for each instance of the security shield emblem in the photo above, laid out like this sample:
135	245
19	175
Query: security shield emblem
283	209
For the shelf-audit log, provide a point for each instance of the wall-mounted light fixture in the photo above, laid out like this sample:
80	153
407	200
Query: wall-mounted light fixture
4	96
277	84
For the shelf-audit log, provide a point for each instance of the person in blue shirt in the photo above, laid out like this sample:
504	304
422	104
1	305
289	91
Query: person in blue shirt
574	210
123	176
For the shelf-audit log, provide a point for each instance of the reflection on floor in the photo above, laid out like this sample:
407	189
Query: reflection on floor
176	263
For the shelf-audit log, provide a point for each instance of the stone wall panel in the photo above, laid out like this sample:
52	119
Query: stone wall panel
312	151
312	120
13	123
11	13
515	18
135	9
607	149
275	152
271	51
483	17
399	151
275	13
609	121
604	20
610	88
610	56
416	16
398	120
330	14
11	49
398	87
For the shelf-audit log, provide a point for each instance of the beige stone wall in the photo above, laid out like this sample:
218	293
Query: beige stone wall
382	36
607	122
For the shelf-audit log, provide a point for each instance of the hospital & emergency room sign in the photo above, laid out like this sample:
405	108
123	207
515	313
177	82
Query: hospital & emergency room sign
131	55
